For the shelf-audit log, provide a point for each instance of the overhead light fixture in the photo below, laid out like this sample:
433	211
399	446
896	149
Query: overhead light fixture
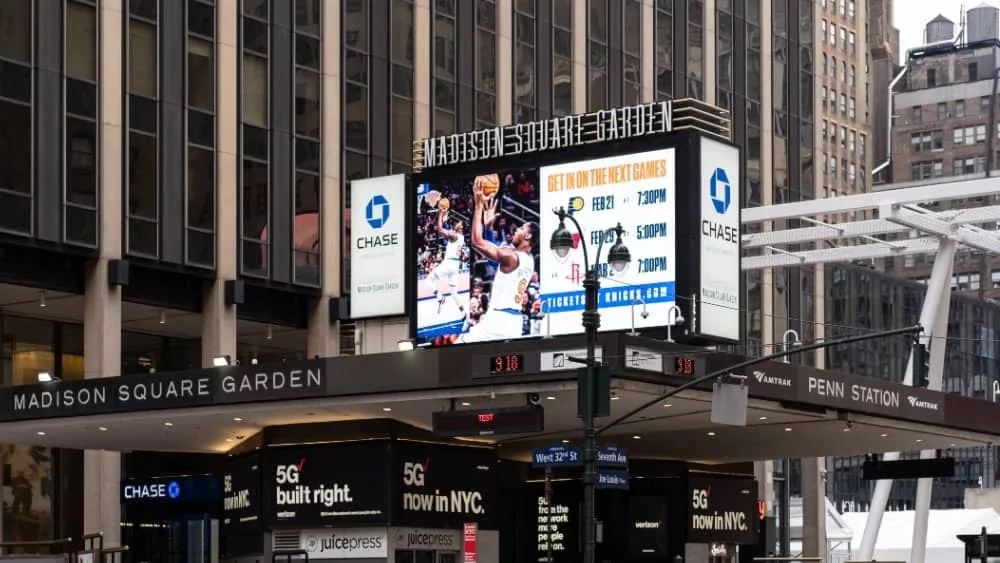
45	377
102	428
565	441
404	345
711	433
163	317
253	361
920	440
230	440
762	418
168	423
41	299
466	403
614	396
667	405
237	419
788	429
883	435
636	437
220	361
550	398
387	409
40	433
270	332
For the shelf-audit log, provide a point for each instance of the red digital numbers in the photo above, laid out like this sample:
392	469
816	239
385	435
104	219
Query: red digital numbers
506	363
486	417
683	366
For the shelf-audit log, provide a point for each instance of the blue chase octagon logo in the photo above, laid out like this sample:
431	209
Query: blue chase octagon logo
377	211
720	191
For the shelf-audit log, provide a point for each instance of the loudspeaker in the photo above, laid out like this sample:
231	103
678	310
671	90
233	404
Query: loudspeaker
338	308
118	272
235	292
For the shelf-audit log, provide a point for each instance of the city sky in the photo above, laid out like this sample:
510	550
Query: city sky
910	17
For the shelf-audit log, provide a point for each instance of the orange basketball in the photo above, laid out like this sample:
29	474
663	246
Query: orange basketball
444	204
490	184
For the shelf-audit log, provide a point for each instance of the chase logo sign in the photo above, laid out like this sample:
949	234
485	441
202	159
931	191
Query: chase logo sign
377	211
720	191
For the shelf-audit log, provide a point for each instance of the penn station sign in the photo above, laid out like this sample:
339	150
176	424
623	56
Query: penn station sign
193	388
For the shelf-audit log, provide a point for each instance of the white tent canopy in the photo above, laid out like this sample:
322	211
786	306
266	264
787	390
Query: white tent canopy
895	537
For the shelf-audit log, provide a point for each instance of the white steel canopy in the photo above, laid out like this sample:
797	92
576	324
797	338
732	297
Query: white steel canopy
899	213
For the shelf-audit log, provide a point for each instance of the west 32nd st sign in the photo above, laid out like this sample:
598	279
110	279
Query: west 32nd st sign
160	391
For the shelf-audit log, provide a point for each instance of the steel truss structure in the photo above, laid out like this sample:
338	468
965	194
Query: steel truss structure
907	229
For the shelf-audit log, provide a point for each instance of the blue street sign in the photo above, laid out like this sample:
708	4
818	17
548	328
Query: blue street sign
612	480
611	456
556	456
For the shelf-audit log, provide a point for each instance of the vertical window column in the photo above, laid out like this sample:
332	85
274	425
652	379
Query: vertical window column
254	126
525	83
443	119
597	55
308	135
724	53
401	85
201	176
562	57
80	195
486	64
355	110
696	50
632	53
664	49
16	121
143	164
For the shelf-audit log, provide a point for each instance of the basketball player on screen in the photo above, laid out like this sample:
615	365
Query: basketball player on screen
515	266
451	265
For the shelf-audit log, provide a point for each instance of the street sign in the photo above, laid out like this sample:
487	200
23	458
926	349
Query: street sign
612	480
612	456
556	456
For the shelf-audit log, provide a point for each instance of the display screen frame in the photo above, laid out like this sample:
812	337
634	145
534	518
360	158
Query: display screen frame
504	421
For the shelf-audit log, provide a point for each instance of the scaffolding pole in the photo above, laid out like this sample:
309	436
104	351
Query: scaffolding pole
937	288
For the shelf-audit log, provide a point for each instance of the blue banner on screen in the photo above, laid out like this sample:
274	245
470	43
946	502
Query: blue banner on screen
484	265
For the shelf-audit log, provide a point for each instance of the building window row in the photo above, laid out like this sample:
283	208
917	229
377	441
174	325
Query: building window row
926	170
969	165
969	135
843	104
840	70
848	170
846	8
927	141
830	33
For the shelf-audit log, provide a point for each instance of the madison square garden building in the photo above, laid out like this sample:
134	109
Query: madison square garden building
174	186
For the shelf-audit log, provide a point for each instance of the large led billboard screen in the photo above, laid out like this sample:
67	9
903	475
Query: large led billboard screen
485	271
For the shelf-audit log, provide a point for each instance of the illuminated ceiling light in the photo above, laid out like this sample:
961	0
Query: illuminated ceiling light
45	377
102	428
163	317
711	433
667	405
230	440
883	435
614	396
237	419
920	440
952	445
788	429
270	332
565	441
762	418
220	361
40	433
550	398
847	429
636	437
41	299
466	403
405	345
168	423
387	409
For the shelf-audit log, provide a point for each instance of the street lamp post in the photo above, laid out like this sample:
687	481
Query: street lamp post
618	259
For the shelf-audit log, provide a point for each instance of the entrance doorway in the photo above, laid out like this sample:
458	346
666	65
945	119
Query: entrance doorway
192	538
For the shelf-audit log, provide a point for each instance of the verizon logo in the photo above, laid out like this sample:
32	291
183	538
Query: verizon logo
921	404
762	377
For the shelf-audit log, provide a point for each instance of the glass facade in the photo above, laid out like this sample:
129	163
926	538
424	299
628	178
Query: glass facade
255	200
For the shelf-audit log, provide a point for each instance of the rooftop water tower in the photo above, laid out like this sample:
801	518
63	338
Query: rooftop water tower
983	23
938	30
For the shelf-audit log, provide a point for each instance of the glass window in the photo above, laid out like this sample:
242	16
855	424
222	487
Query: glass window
664	53
307	230
402	127
81	155
307	103
81	41
142	58
255	81
15	144
307	17
15	30
256	203
143	171
201	18
201	188
201	74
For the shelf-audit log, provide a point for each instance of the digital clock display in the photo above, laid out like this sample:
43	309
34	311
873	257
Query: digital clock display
683	365
492	422
507	363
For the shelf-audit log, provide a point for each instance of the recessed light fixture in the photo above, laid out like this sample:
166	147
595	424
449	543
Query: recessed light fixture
788	429
237	419
40	433
952	445
466	403
550	398
230	440
711	433
636	437
920	440
667	405
45	377
387	409
615	397
565	441
168	423
763	418
883	435
102	428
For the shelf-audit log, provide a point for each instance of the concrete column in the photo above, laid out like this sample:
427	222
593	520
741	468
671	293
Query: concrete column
579	74
814	508
422	69
323	337
708	51
505	62
102	323
218	320
648	52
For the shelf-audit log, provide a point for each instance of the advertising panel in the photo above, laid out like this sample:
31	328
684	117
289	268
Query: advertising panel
326	485
719	314
485	272
242	504
204	488
722	510
444	487
354	543
648	534
378	256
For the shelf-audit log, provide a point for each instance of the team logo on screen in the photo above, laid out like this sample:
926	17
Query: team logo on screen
575	204
720	191
377	211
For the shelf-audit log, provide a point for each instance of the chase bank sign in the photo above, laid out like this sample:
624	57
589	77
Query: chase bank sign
205	488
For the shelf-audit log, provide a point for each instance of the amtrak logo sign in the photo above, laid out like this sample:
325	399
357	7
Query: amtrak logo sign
720	191
377	211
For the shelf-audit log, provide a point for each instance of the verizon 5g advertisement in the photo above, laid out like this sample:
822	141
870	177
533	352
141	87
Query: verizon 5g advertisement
327	485
720	241
378	259
444	487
